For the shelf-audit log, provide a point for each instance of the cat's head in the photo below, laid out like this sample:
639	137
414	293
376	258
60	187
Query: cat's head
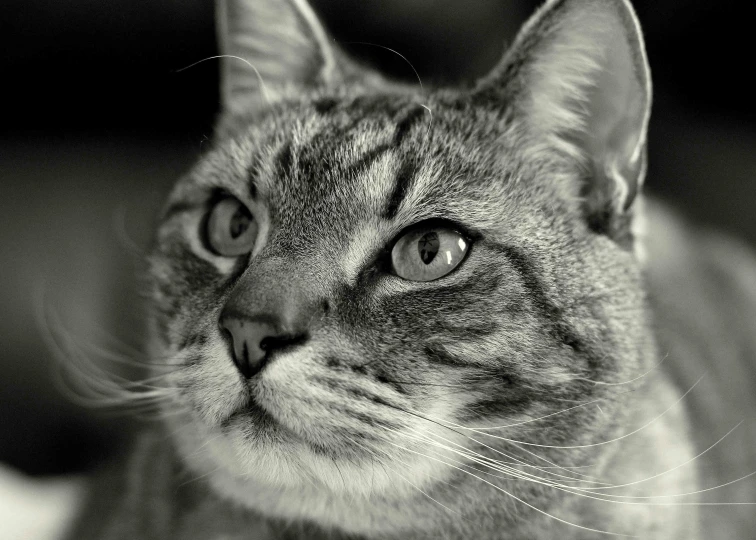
362	279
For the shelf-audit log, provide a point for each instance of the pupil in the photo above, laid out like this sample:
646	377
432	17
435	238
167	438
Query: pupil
239	223
428	247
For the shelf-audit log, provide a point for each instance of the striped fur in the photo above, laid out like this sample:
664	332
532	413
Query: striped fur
481	405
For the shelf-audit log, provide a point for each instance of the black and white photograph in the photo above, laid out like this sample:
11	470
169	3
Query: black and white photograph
377	270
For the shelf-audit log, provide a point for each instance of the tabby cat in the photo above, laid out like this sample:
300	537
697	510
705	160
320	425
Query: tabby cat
387	311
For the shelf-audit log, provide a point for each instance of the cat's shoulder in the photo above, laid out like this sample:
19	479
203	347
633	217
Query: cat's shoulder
702	290
704	264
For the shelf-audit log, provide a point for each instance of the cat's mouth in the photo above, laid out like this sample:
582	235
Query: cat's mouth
257	424
253	413
312	415
303	418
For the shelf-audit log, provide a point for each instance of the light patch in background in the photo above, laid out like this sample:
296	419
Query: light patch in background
37	510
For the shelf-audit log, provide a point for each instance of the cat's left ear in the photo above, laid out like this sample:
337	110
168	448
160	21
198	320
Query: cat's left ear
578	77
271	45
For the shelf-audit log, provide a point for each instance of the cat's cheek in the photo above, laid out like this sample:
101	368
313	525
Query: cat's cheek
211	386
290	391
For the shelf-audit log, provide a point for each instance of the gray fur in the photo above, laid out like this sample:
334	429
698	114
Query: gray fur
548	311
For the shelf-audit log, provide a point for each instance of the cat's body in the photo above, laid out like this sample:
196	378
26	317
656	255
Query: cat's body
703	289
397	314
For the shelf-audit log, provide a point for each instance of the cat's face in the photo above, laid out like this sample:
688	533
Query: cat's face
420	264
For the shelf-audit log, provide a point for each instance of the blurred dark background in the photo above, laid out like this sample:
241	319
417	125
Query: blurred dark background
97	123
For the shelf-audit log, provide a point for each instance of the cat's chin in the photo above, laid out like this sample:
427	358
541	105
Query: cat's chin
255	460
308	502
257	463
288	445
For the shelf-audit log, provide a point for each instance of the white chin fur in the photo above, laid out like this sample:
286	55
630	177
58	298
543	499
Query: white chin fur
286	479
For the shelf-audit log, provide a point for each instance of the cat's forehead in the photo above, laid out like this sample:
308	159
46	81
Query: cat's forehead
339	161
328	166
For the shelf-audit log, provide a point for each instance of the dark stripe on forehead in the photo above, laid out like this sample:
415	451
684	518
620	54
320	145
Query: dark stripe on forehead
386	104
284	160
402	186
368	158
408	169
404	123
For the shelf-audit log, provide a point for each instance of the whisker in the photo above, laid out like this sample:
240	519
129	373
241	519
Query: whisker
697	492
678	466
539	510
200	477
585	445
116	358
383	463
582	404
400	55
639	377
460	387
587	492
496	464
430	122
518	462
122	234
87	384
439	423
263	88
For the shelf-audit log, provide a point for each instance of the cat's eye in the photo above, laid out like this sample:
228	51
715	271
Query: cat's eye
428	252
230	228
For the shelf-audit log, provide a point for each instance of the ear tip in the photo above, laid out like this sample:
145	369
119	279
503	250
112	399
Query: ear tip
278	42
633	32
631	25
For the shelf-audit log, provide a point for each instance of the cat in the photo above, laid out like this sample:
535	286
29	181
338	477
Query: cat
384	311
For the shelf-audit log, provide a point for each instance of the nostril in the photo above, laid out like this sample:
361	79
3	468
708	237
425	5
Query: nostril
245	340
252	342
279	342
226	333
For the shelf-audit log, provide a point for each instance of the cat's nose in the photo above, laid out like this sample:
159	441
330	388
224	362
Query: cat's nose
274	305
254	340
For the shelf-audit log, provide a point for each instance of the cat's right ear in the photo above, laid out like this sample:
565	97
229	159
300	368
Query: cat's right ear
269	46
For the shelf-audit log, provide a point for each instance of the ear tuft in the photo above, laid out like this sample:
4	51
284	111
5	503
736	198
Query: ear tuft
579	78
